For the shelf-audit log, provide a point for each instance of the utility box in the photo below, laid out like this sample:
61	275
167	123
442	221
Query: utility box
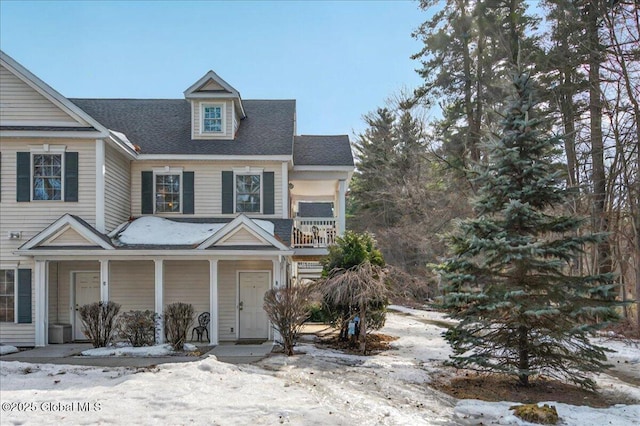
60	333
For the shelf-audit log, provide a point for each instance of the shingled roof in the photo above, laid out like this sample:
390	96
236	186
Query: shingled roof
163	126
322	151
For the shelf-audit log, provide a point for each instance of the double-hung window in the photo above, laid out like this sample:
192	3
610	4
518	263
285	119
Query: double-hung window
213	118
248	192
47	176
168	191
7	295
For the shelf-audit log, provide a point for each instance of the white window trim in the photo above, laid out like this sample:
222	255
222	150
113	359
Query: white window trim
15	293
166	171
246	171
46	149
223	115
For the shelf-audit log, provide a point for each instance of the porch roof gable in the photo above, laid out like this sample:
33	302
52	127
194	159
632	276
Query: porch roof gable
57	235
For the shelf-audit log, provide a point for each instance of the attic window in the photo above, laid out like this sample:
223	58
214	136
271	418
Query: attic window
213	118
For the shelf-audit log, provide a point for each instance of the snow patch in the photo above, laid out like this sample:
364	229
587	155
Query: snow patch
7	349
156	230
158	350
474	412
159	231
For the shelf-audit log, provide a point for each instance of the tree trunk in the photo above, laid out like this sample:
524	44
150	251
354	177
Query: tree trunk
523	355
470	144
601	221
363	328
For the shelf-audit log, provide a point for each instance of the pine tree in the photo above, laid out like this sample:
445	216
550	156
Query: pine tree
520	312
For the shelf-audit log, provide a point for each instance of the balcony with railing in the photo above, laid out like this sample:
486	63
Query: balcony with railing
314	232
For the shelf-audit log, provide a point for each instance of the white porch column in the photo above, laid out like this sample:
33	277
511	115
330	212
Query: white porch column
41	302
274	334
213	301
342	204
104	281
277	273
285	190
100	191
159	292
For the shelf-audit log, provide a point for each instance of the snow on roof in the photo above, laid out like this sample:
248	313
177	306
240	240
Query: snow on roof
150	230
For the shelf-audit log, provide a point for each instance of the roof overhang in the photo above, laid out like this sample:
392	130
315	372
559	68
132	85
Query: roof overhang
66	134
205	157
141	254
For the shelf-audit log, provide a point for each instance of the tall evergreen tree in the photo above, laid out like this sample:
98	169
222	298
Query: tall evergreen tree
520	312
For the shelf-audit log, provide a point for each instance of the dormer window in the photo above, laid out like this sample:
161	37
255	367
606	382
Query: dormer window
213	118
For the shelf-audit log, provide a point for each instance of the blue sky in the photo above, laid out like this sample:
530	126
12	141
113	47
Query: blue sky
338	59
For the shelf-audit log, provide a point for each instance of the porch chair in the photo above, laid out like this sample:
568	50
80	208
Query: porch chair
202	327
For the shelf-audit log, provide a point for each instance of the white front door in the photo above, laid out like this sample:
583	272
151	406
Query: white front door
253	321
86	290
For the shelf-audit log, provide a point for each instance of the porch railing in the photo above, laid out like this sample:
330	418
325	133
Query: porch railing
314	231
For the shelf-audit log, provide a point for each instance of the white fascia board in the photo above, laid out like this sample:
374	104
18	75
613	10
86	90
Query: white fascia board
197	157
211	75
120	141
124	254
323	168
223	95
51	134
48	92
63	222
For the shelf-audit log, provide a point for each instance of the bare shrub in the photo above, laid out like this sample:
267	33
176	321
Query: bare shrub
178	318
98	320
288	309
138	327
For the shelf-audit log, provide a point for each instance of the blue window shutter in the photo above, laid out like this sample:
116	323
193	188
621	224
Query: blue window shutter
71	176
23	176
147	193
24	296
188	199
227	192
268	192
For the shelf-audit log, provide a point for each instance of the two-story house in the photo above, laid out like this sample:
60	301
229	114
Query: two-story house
204	199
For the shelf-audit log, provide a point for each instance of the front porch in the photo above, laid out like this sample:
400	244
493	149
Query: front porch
231	290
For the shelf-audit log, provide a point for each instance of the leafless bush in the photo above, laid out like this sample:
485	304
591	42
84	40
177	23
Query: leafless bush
138	327
178	319
98	320
288	309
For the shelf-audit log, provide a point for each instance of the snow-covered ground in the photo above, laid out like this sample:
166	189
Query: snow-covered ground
322	387
143	351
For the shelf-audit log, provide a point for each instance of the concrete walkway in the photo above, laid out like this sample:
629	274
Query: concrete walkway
69	353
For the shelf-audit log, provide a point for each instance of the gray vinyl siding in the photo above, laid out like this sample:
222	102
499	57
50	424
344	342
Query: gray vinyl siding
70	237
187	281
207	184
32	217
132	284
228	293
21	104
117	206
